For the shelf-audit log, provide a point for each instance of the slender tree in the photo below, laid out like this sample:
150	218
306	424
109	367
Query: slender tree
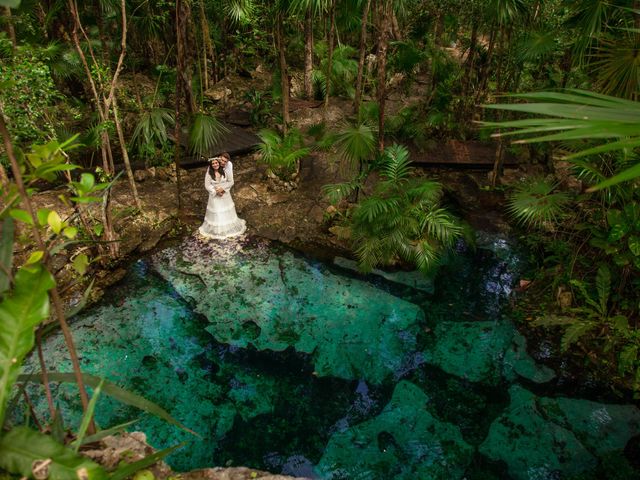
361	57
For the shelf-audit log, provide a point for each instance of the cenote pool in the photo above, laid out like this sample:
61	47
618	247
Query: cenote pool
298	367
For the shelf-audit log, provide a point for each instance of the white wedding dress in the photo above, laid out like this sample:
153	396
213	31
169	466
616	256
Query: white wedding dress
221	220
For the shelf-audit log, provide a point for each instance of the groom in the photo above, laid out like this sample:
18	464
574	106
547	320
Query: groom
225	162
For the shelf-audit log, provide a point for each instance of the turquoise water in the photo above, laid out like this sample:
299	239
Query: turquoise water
291	365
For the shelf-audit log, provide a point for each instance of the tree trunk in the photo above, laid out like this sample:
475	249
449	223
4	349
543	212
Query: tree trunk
332	29
206	45
363	51
383	43
471	57
177	126
308	53
11	31
125	156
284	79
97	8
497	164
183	15
484	71
438	29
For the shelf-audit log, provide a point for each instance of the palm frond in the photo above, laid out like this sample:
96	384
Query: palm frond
239	11
425	191
396	163
336	192
578	115
441	226
535	203
205	131
152	127
617	64
537	44
356	143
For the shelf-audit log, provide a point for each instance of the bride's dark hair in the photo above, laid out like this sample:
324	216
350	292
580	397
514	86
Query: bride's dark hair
210	170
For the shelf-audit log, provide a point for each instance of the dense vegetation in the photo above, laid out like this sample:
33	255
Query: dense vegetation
89	90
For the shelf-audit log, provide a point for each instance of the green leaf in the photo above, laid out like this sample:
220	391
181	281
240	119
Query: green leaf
70	232
43	214
6	253
80	263
574	332
87	181
22	450
625	176
634	244
113	390
10	3
127	470
35	257
19	314
21	215
617	232
628	357
103	433
88	415
98	228
55	222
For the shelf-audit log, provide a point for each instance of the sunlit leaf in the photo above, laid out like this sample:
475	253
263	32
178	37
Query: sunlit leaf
35	257
54	221
22	450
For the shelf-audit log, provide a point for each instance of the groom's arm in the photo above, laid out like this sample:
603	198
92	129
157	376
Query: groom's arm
228	171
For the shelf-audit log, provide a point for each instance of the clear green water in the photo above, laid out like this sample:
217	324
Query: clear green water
297	367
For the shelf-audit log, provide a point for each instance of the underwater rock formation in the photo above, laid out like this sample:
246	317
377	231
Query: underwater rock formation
253	296
537	437
484	352
404	442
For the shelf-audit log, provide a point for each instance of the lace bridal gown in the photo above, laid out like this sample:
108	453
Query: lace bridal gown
221	220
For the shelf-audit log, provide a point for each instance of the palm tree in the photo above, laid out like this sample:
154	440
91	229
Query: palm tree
282	153
403	219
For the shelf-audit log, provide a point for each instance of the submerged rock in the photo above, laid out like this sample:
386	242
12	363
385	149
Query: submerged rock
540	437
404	442
484	352
415	279
275	301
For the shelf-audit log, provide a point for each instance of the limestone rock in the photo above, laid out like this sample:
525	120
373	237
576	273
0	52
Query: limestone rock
404	442
218	92
141	175
538	437
483	352
414	279
235	473
528	443
284	305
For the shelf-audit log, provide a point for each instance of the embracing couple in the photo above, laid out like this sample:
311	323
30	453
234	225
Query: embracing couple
221	220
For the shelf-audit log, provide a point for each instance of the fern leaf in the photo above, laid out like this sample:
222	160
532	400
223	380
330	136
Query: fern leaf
575	332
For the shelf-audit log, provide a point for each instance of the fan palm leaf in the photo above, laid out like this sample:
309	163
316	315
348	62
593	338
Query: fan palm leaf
536	202
205	131
239	11
356	144
617	64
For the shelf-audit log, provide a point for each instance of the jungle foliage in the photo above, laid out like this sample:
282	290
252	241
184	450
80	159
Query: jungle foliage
137	79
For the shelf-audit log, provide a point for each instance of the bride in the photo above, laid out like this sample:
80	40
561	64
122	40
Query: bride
221	220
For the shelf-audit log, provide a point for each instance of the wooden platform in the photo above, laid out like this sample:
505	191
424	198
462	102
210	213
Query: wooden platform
461	154
237	141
